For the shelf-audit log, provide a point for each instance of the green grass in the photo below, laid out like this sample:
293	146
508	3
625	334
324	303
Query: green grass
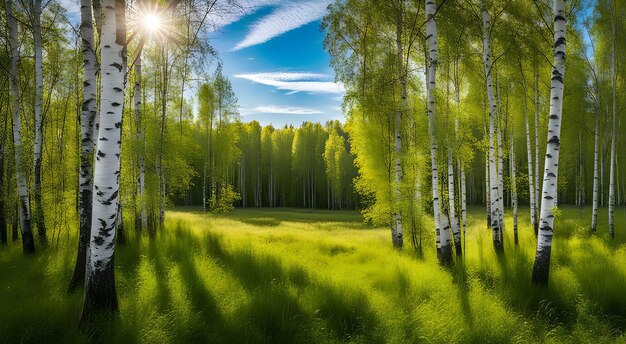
304	276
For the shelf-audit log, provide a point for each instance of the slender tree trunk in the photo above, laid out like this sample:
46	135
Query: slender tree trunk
541	268
513	188
397	148
456	231
100	294
494	193
612	168
28	243
531	185
500	176
137	95
38	215
537	197
442	227
87	117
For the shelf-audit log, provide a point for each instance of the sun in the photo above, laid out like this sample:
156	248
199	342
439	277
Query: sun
152	22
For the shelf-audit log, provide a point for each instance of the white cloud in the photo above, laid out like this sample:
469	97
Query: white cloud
72	7
278	109
295	82
291	110
287	16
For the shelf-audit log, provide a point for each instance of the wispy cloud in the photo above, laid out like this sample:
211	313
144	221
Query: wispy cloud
295	82
278	109
287	16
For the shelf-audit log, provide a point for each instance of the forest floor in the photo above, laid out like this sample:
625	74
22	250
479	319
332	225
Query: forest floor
304	276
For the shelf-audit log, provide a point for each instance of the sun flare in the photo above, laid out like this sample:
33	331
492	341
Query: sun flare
151	22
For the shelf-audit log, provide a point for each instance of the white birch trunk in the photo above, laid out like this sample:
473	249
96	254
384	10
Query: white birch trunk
513	187
612	168
28	244
494	194
442	228
100	294
537	190
500	176
594	210
531	185
397	148
544	243
87	118
454	221
38	215
137	95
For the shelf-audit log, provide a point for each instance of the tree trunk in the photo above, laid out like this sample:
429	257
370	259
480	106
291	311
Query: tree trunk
500	175
537	197
494	193
38	216
454	221
87	117
531	185
28	243
100	294
141	144
513	188
544	243
442	227
612	168
396	231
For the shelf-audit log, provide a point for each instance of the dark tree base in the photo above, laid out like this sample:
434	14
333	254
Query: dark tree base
498	247
541	269
28	243
445	255
100	294
78	277
459	249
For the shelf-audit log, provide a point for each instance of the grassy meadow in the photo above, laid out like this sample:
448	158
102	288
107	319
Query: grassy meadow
305	276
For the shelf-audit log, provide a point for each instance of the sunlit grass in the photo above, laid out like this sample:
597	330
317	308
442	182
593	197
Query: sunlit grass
305	276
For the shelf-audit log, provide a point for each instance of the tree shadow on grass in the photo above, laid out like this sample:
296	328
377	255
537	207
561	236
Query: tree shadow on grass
461	281
274	315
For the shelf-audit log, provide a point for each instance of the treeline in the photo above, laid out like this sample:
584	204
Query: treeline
310	166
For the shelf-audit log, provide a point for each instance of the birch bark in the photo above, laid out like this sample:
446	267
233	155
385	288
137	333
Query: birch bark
531	185
612	168
38	214
87	118
28	243
100	294
541	267
442	228
494	192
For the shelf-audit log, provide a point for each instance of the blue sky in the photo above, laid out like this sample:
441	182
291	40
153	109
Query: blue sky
273	54
277	65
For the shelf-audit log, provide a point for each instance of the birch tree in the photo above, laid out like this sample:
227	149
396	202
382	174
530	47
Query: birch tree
541	267
531	185
494	194
100	294
28	243
87	117
38	215
595	95
442	227
612	168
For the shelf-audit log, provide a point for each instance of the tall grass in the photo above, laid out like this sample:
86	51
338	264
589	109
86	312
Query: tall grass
303	276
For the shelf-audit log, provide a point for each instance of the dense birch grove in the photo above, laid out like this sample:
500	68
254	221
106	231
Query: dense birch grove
108	123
